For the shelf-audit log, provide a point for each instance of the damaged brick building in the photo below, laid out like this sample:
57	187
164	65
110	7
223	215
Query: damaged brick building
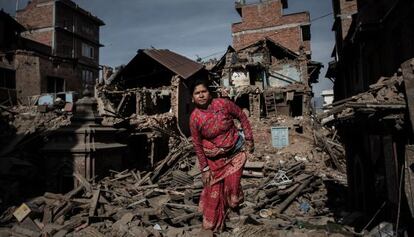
131	168
373	86
265	19
269	68
151	94
267	78
66	56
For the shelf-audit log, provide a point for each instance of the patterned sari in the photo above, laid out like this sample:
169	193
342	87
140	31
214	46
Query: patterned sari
217	144
223	192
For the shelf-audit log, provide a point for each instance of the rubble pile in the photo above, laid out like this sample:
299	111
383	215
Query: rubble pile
131	203
387	93
23	133
386	90
282	190
26	123
327	140
309	142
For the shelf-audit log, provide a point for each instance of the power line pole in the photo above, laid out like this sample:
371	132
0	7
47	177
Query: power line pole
17	6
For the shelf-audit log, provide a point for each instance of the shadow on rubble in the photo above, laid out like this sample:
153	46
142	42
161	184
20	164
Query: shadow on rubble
20	163
52	152
344	213
380	219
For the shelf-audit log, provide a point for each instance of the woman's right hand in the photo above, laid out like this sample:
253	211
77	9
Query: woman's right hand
206	177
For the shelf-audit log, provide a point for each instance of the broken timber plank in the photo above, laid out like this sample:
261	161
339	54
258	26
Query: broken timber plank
169	192
82	180
408	76
254	165
182	206
254	174
291	197
137	202
94	202
184	218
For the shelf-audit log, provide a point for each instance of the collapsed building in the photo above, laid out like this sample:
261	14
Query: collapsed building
267	78
373	78
269	69
144	109
150	93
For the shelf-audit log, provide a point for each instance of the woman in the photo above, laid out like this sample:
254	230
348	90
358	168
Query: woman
219	148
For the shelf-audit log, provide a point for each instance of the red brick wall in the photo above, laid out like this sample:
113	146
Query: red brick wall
291	38
269	21
347	8
27	76
256	15
41	37
37	14
269	14
32	72
61	70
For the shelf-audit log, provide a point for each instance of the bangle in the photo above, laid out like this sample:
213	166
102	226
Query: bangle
206	169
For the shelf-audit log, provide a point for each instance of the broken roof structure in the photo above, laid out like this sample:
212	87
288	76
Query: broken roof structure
154	83
249	56
156	64
267	67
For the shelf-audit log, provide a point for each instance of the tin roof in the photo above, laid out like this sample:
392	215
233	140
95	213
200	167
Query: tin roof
10	21
179	64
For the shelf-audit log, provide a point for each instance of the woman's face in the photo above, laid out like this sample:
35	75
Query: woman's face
201	96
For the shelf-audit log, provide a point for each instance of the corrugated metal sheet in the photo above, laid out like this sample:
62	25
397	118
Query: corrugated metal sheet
179	64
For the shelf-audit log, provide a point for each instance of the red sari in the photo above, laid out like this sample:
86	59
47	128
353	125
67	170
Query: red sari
223	192
214	135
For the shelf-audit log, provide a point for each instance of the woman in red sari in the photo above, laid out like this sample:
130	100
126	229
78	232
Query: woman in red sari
221	150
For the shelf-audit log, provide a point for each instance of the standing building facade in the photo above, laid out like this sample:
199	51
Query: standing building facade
373	74
69	60
265	19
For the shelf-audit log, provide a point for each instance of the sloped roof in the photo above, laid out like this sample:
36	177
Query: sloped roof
145	58
179	64
11	21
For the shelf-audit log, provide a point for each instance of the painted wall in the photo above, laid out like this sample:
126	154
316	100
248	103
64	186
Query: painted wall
286	75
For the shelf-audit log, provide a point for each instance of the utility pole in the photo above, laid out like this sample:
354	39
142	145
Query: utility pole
17	6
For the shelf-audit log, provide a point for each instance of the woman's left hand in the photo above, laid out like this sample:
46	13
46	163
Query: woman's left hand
206	177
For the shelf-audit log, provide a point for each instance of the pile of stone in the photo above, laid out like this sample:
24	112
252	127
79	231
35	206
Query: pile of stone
163	202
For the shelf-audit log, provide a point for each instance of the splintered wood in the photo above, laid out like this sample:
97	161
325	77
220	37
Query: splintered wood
164	200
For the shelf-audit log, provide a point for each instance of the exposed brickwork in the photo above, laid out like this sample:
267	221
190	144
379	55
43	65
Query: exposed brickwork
45	38
259	21
33	70
65	27
36	15
343	10
283	37
66	71
69	19
348	7
27	76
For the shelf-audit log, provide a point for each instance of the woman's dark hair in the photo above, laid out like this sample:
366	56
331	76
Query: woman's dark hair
197	82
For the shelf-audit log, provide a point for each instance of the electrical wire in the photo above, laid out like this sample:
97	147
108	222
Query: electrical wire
223	51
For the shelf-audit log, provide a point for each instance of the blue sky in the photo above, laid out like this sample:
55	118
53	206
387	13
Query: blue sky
194	28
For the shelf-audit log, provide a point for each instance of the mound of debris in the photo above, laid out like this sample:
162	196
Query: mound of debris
23	132
386	94
163	202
